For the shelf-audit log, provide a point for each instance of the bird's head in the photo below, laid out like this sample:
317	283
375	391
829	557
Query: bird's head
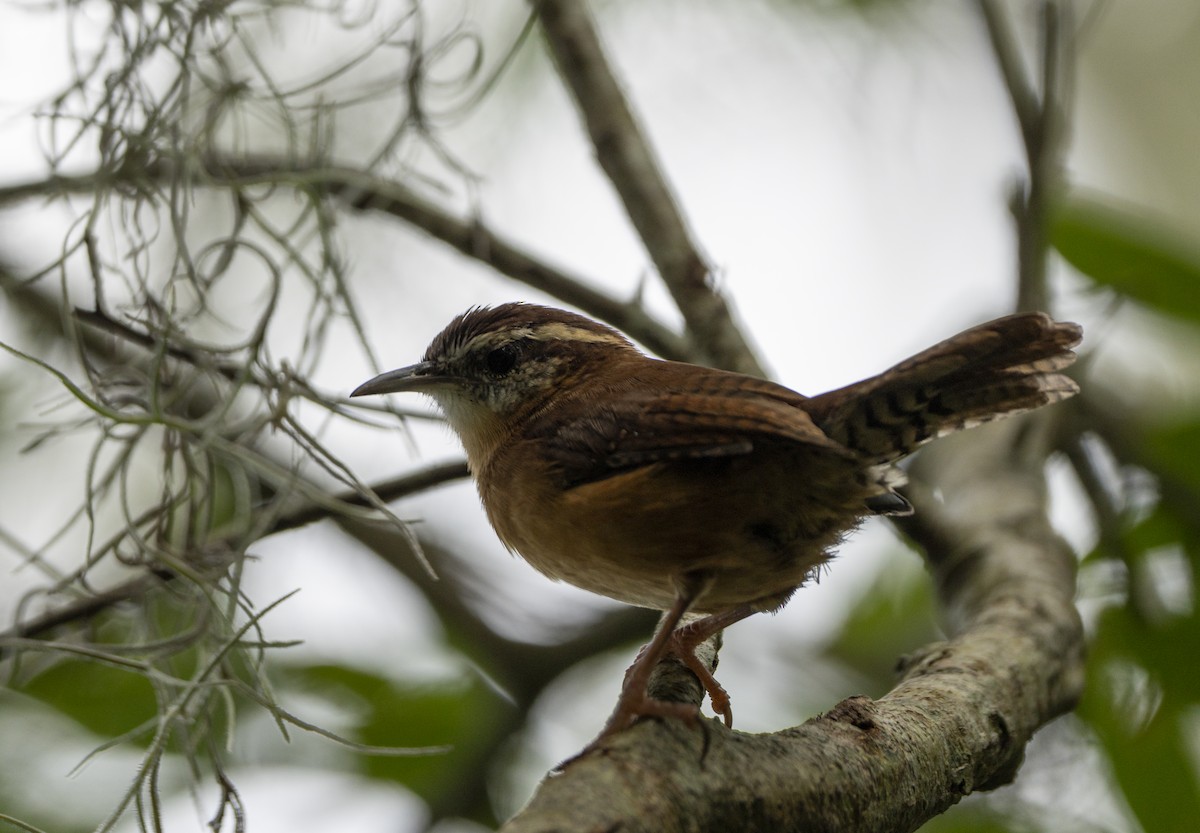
492	365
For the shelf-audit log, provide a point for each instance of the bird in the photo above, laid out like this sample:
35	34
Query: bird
691	490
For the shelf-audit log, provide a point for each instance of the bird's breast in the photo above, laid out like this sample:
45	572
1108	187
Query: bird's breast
749	522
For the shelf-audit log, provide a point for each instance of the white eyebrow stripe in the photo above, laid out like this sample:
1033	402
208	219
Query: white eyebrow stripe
566	332
554	331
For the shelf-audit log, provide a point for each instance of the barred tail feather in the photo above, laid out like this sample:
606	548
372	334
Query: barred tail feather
1004	367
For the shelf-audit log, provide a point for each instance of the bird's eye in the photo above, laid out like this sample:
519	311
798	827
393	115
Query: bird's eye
502	360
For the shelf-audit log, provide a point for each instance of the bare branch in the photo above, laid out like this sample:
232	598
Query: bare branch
364	191
1040	119
1008	60
306	513
626	156
477	241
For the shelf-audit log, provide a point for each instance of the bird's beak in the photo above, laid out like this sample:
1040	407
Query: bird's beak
421	377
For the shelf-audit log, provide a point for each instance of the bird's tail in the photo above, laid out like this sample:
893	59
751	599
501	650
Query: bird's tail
1003	367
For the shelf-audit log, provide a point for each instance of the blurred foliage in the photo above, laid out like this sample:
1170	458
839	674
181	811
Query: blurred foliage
456	715
116	701
1129	252
968	820
1143	671
1144	683
1174	450
896	614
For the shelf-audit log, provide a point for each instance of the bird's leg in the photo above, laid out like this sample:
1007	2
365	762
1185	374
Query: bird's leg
672	640
684	641
634	702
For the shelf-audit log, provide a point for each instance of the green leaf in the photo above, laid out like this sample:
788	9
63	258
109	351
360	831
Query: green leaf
106	700
1150	760
1131	253
1166	646
1143	678
456	714
894	616
1158	529
1175	449
971	819
1142	683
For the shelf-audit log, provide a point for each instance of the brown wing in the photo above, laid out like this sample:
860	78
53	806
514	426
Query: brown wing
722	415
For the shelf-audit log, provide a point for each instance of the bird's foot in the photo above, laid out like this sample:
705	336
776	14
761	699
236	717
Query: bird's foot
635	703
717	695
682	642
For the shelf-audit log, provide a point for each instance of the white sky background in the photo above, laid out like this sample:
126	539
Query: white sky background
848	180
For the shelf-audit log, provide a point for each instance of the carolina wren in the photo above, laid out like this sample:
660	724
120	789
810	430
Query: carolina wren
683	488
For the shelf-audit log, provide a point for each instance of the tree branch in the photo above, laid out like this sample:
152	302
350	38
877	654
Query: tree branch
625	155
1040	120
363	191
957	723
305	513
522	669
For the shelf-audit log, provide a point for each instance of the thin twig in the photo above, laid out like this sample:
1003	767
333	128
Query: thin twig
477	241
1110	520
96	603
630	163
366	192
1040	120
1008	60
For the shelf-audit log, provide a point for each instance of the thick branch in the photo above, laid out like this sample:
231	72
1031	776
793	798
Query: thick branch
625	154
958	722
